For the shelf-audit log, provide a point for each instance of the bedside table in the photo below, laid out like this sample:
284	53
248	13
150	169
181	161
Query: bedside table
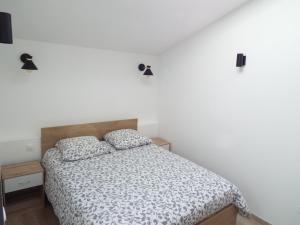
162	143
19	181
1	203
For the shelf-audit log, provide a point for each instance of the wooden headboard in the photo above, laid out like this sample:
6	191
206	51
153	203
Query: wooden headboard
50	135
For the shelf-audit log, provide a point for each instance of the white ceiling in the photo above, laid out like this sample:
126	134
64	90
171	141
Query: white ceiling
143	26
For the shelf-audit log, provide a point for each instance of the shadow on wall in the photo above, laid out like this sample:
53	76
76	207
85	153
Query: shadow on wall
20	150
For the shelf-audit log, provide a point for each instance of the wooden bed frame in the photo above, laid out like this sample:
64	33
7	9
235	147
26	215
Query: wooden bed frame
50	135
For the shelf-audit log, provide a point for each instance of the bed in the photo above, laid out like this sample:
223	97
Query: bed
143	185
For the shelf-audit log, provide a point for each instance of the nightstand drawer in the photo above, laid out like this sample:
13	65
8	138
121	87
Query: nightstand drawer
23	182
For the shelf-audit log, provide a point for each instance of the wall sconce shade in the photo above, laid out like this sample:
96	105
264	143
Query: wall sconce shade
147	72
241	60
28	64
6	36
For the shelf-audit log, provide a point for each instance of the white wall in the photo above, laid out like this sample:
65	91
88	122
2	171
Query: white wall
72	85
243	124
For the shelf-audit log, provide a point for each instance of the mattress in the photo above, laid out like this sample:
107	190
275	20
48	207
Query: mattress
139	186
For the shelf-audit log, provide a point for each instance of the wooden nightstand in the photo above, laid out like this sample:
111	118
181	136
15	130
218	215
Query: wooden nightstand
1	202
162	143
22	184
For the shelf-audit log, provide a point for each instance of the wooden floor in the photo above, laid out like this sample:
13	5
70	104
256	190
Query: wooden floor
45	216
42	216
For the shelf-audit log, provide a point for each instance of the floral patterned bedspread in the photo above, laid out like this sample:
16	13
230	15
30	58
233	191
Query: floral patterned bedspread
144	185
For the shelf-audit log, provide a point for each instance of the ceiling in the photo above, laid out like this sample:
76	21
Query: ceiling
142	26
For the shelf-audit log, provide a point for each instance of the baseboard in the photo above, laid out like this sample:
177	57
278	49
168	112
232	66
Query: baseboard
259	220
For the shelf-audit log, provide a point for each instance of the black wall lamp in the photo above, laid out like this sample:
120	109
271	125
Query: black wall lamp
28	64
6	36
241	60
147	70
